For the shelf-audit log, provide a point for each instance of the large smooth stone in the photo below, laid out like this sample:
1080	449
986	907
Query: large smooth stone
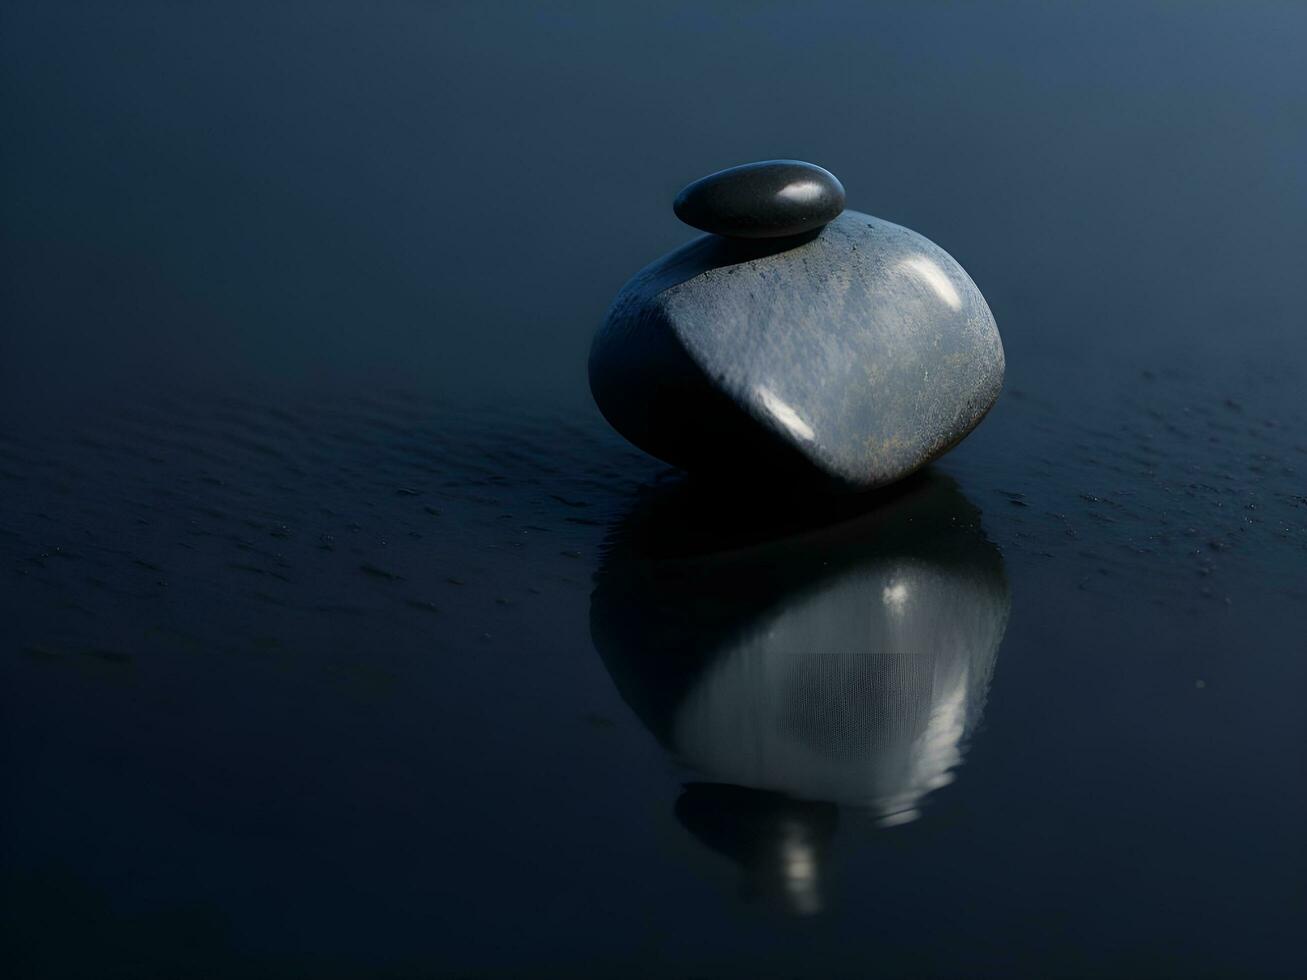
771	199
853	358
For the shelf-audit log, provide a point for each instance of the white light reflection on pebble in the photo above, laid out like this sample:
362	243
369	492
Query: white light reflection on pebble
801	192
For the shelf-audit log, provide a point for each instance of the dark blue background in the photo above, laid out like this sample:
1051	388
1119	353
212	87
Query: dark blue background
301	490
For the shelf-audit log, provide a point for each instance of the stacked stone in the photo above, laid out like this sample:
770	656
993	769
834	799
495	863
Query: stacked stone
797	341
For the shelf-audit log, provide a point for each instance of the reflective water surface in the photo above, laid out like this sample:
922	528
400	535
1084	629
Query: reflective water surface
342	638
836	665
843	665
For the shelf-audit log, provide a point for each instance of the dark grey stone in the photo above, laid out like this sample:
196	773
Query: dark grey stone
853	358
771	199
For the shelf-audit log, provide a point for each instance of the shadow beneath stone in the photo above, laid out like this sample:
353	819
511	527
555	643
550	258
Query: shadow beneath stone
715	252
705	515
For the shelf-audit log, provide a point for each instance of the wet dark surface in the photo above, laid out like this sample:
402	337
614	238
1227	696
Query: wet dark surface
332	605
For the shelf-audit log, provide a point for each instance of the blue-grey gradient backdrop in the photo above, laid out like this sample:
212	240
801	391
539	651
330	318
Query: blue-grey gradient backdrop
302	491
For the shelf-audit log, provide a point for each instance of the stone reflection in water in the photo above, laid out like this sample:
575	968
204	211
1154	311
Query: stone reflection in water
781	844
800	665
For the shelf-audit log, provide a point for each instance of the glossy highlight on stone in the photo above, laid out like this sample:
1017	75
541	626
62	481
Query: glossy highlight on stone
770	199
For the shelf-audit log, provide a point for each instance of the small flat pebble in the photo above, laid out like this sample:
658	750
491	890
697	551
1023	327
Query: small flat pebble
771	199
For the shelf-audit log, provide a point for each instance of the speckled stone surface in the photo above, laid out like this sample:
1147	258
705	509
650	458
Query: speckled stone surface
768	199
853	358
